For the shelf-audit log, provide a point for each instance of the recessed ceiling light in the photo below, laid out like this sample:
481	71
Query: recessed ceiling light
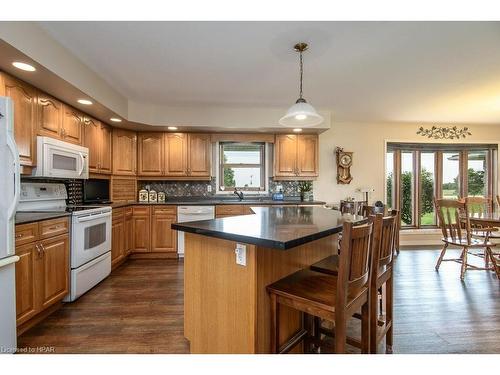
24	66
84	101
172	128
297	130
116	119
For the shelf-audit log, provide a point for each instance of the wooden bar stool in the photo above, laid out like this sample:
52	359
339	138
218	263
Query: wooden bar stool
382	274
332	298
455	224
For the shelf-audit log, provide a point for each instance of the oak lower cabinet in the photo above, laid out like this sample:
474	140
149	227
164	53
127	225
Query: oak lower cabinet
142	229
42	273
124	152
24	98
129	230
163	237
227	210
98	139
296	156
118	237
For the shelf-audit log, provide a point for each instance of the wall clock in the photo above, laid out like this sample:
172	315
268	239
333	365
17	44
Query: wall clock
344	163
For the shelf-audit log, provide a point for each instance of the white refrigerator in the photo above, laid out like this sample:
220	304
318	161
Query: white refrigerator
9	198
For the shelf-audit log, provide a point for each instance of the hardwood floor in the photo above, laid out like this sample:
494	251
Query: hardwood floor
139	309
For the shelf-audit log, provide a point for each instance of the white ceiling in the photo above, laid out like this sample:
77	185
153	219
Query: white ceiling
361	71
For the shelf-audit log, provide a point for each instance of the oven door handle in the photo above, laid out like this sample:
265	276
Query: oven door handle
93	217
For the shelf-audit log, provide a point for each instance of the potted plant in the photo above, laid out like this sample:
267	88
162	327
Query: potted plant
304	187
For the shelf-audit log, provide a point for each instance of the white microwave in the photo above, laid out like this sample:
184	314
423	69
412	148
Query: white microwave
58	159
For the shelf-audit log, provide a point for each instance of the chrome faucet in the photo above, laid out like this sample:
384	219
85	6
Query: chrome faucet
239	194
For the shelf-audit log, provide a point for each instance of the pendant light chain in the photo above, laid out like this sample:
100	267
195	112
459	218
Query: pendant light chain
301	74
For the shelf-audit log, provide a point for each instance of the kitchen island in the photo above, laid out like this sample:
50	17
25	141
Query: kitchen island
226	305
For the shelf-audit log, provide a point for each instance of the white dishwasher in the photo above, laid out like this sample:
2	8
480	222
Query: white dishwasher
191	213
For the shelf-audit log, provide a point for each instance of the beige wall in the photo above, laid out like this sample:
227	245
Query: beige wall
367	141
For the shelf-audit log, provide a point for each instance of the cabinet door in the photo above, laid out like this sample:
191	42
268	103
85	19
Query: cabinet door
117	240
285	155
199	155
25	283
129	231
105	160
163	237
24	100
93	142
52	276
72	125
50	116
307	155
150	150
124	152
175	154
141	229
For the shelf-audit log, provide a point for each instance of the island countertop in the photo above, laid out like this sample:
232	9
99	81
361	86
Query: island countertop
273	227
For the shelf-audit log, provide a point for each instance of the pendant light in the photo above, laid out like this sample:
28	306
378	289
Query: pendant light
301	114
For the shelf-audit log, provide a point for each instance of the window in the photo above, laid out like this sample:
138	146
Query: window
418	173
242	166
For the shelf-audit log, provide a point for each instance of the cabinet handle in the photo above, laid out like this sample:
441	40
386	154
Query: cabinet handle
19	235
38	251
43	249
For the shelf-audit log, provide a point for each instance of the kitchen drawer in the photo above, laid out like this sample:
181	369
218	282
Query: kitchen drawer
141	211
54	227
230	209
26	233
118	213
165	210
129	212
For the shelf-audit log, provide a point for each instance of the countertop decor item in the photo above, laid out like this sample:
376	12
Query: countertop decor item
344	163
153	196
301	114
304	188
143	196
444	132
161	197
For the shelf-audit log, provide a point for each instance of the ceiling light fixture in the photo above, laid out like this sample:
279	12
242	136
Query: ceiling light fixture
116	119
301	113
84	101
297	130
172	128
24	66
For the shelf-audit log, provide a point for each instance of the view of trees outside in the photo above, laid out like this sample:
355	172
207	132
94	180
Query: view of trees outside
450	187
242	165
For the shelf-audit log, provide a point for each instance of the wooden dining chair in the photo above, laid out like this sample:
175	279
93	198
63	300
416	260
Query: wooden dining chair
454	221
328	297
382	275
498	201
479	205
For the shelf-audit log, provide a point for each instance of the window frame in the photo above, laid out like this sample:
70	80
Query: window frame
438	150
221	166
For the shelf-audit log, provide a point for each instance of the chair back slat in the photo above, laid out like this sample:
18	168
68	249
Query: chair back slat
479	206
453	217
387	240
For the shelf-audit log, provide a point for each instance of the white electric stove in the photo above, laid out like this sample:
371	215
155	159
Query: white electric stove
90	233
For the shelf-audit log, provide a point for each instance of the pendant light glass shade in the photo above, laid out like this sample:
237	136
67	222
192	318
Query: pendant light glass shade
301	115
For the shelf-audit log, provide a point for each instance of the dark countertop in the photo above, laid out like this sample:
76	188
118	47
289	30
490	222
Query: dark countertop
30	217
274	227
213	202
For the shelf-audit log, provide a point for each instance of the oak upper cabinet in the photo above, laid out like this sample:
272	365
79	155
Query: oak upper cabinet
58	120
199	155
308	155
124	152
176	154
163	237
98	139
50	114
285	155
296	156
150	158
72	125
24	98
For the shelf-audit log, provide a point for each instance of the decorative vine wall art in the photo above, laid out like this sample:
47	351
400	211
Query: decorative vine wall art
448	132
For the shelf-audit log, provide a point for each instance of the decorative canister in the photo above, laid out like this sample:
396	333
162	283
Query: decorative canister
143	195
161	197
153	197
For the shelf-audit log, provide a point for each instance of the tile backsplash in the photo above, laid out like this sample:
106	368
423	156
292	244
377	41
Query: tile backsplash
200	188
